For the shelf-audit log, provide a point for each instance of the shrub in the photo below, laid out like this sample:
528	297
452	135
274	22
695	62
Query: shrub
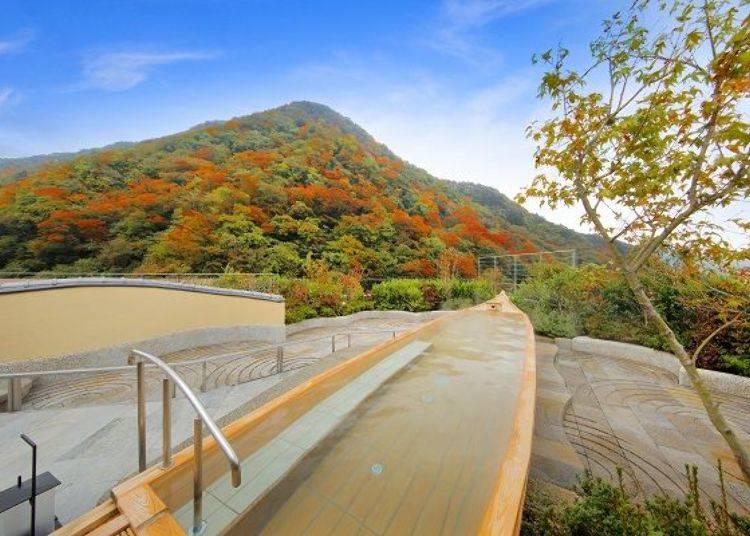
595	300
430	294
604	509
551	298
330	293
399	294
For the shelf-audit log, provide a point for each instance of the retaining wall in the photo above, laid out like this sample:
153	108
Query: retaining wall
718	381
95	322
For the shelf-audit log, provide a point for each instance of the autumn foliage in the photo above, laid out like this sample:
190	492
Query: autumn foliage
258	194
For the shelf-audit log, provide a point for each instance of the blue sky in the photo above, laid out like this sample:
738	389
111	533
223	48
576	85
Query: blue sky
448	85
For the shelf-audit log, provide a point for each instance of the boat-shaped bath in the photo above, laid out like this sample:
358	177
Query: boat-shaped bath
426	434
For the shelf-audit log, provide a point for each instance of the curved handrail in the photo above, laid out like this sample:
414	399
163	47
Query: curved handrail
177	364
221	440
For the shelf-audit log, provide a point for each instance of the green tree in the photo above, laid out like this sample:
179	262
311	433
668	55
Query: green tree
663	142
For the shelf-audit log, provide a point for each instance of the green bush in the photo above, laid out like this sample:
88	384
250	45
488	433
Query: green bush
604	509
552	299
595	300
331	293
326	294
399	294
430	294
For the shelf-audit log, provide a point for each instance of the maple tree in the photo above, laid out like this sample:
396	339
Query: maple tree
649	155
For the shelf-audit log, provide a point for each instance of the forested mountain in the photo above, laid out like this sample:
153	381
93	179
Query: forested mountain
13	169
259	193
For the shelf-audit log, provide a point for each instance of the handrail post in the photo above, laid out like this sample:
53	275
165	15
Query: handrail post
166	427
279	359
198	526
333	344
203	377
348	340
14	397
140	380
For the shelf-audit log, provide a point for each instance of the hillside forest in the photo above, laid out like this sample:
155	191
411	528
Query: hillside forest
263	193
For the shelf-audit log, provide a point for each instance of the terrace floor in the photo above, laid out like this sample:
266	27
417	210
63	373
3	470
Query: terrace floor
592	413
86	428
600	413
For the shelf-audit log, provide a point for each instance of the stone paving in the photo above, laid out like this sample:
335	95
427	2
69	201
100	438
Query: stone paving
241	362
601	413
86	430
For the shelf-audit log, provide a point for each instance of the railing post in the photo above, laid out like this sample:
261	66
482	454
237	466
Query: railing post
140	380
333	344
198	525
279	359
14	398
203	377
166	426
348	340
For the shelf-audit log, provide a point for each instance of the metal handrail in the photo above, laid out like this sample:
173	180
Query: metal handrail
221	440
138	356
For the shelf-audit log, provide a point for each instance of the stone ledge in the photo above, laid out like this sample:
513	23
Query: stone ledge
342	321
729	384
718	381
52	284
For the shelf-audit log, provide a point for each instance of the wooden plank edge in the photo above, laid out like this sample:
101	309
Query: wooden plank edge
503	514
89	521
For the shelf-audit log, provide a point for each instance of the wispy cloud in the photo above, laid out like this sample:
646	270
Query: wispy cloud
5	95
460	21
16	42
118	71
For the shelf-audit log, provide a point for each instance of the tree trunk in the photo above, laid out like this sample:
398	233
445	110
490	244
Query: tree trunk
704	393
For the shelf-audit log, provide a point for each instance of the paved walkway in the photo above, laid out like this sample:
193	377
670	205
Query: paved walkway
601	413
86	430
242	362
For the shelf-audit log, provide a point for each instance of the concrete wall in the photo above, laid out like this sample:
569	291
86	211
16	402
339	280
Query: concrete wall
720	382
72	319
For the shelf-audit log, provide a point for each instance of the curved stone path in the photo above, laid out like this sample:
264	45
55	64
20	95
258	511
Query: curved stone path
617	413
243	362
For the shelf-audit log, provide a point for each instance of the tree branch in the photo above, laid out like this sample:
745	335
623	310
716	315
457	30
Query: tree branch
713	334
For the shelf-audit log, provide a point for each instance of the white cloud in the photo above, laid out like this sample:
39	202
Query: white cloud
5	94
18	42
467	13
459	21
118	71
